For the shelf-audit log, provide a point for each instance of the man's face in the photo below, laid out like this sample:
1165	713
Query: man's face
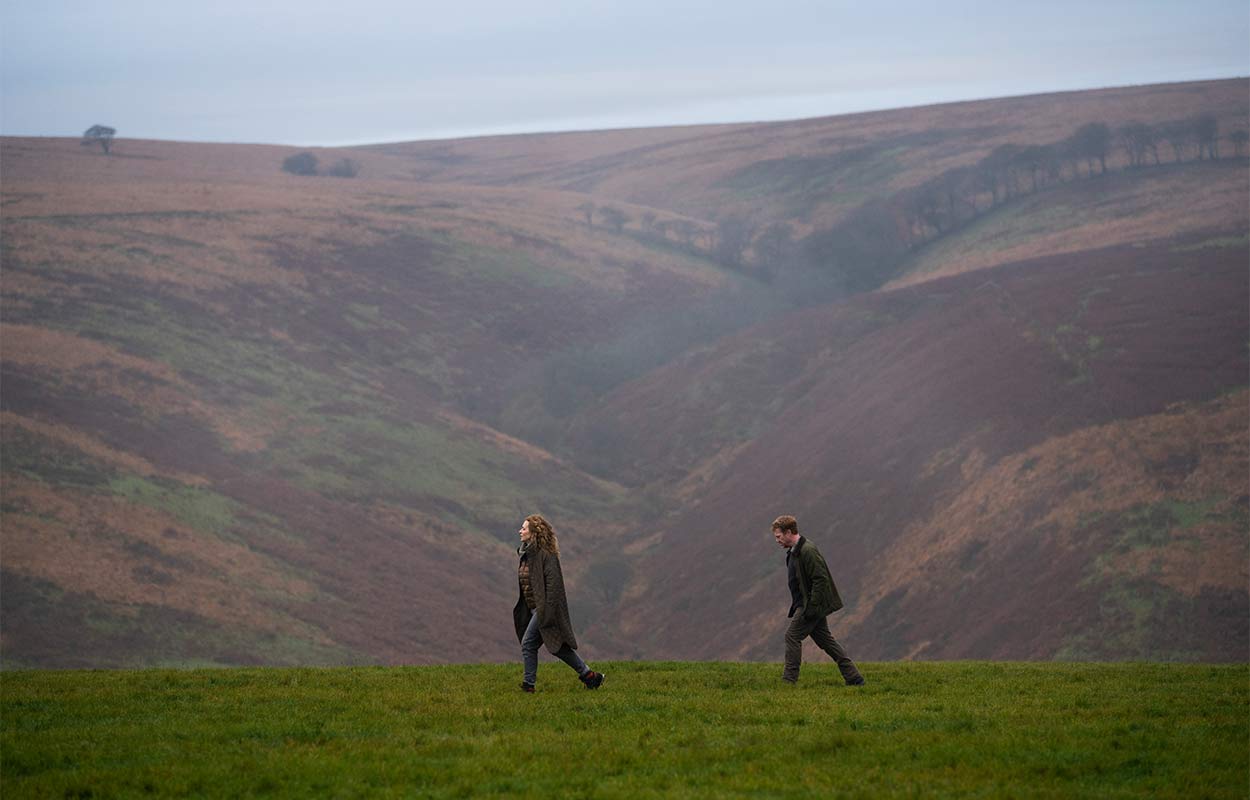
785	538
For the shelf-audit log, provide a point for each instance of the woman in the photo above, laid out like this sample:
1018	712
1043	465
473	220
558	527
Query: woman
542	612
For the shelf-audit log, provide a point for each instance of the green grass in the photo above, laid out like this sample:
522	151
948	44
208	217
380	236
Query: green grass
198	508
368	451
470	260
43	459
654	730
44	623
1217	243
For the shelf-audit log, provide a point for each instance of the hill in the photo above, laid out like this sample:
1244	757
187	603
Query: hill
250	417
236	415
810	172
1201	200
1059	445
694	730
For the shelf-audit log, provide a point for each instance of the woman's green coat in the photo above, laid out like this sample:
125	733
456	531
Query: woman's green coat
550	603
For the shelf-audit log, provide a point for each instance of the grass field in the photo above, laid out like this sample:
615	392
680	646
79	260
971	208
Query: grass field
653	730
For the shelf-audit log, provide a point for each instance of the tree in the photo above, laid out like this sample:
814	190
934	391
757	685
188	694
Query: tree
986	179
614	217
733	237
1150	141
343	168
648	221
863	251
588	209
962	184
1179	134
999	169
300	164
1206	130
1137	139
686	231
925	205
774	247
1035	161
101	134
1239	139
1092	142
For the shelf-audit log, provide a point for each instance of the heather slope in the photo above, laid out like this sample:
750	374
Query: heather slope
891	424
252	417
810	171
1208	199
238	414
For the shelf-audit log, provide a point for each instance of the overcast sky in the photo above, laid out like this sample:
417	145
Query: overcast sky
308	72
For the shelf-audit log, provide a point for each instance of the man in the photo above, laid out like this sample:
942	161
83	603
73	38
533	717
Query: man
814	597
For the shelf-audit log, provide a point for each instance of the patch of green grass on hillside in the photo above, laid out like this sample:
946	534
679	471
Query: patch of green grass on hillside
201	347
1137	614
91	220
479	484
1137	619
1214	243
201	509
50	625
43	459
849	176
653	730
1156	525
1188	515
369	318
463	259
1016	223
367	453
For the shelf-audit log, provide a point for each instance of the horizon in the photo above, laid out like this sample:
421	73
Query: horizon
295	74
591	131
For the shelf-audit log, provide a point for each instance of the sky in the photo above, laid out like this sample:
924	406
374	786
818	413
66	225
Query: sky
317	73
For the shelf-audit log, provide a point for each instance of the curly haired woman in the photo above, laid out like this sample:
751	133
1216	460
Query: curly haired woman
542	612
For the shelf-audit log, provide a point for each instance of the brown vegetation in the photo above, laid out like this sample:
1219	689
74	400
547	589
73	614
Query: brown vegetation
254	417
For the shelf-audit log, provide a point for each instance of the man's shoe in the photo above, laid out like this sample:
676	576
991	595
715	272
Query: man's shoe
592	679
527	687
857	682
791	681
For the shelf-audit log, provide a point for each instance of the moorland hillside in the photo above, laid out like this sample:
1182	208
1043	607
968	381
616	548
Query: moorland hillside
251	416
1039	460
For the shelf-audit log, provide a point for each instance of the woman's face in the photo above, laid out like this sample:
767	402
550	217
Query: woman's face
525	531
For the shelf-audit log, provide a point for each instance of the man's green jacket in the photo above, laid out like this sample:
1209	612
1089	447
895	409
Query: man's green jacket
820	596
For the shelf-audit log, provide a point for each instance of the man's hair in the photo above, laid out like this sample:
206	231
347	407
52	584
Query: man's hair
544	536
786	523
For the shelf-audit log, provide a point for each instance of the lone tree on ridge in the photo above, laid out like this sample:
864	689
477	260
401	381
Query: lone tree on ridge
102	134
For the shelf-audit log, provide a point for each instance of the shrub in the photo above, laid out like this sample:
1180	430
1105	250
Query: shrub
300	164
344	168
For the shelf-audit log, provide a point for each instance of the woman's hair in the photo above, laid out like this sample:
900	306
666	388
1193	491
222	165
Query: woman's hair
543	534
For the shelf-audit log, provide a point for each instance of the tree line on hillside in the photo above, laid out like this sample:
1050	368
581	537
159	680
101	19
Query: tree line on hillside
864	246
954	197
727	241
